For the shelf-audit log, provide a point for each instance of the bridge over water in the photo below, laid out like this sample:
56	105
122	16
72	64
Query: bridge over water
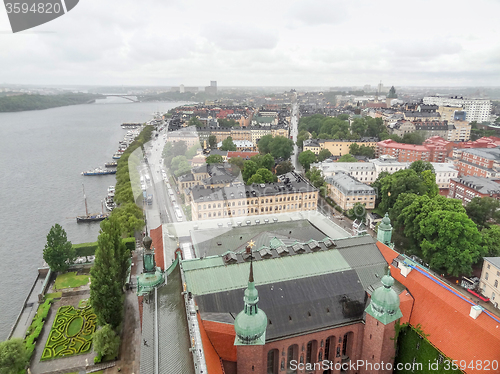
125	96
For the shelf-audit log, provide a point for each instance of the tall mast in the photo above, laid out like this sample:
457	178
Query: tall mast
85	198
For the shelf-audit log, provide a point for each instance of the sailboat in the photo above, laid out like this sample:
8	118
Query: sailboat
91	217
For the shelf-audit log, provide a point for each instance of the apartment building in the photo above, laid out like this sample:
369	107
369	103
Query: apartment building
476	109
242	201
468	187
490	277
368	172
346	191
411	152
479	162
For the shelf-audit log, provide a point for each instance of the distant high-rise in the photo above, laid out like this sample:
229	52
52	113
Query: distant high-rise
212	89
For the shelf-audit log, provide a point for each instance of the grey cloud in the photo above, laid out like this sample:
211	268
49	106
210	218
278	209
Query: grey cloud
315	13
242	36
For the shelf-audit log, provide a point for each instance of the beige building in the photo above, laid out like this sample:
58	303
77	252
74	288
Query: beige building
243	201
448	112
490	277
337	147
346	191
460	132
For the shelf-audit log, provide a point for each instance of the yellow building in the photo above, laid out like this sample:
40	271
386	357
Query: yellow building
461	131
337	147
448	112
243	201
490	278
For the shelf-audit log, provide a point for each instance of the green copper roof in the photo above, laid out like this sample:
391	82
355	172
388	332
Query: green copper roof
250	324
386	223
384	304
217	276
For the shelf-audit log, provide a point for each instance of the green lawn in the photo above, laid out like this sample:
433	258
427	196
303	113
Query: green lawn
53	295
71	280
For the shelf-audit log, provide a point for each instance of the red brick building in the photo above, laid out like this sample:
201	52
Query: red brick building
479	162
468	187
431	151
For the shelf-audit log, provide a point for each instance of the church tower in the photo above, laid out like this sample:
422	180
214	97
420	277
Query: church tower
384	233
379	347
250	327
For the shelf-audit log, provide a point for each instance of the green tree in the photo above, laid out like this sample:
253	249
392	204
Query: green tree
176	161
491	241
108	274
237	164
306	158
228	144
262	175
483	209
249	169
130	218
429	179
392	185
266	161
214	159
264	144
420	166
354	149
194	121
223	122
316	178
191	152
413	138
212	142
417	211
106	342
451	242
281	147
284	167
303	135
13	356
324	154
58	252
347	158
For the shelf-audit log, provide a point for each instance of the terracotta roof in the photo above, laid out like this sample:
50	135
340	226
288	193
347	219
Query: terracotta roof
222	336
445	317
212	359
242	154
157	236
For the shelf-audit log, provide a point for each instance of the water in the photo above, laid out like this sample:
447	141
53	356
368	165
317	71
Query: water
42	155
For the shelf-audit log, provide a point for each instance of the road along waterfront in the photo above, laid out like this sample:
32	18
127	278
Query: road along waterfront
42	155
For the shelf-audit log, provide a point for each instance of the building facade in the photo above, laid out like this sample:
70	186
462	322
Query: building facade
490	277
478	110
466	188
242	201
346	191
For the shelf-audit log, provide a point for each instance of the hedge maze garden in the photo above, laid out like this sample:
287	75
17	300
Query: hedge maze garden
71	333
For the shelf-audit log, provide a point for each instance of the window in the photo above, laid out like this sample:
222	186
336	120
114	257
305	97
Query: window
272	361
486	276
293	351
309	352
496	283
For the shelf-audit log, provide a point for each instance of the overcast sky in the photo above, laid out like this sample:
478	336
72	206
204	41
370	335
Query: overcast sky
259	43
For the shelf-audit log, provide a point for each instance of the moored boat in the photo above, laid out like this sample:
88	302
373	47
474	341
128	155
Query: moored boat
99	171
90	217
112	164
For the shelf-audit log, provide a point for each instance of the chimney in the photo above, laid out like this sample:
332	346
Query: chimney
475	311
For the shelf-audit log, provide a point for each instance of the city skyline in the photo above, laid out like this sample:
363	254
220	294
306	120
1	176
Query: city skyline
323	43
